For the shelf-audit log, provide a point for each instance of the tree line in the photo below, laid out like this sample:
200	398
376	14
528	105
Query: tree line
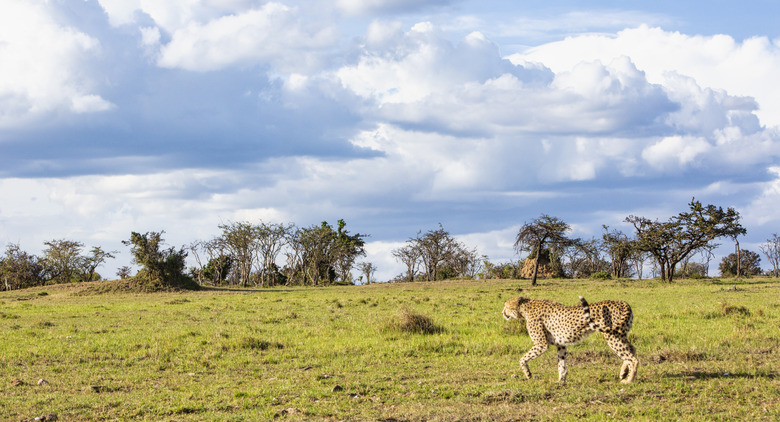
270	254
669	246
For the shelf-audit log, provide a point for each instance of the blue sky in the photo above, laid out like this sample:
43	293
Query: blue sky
395	115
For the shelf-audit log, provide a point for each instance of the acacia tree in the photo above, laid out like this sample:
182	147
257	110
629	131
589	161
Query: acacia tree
637	259
538	234
672	241
619	248
771	249
580	258
123	272
317	256
62	259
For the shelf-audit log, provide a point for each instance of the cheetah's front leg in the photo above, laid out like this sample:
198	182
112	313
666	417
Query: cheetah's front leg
538	336
562	371
535	352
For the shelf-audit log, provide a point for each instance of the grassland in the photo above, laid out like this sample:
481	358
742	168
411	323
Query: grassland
710	350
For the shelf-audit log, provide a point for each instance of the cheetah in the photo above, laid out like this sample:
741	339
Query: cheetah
551	323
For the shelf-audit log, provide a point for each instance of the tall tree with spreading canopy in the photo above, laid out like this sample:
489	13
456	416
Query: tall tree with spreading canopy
672	241
540	233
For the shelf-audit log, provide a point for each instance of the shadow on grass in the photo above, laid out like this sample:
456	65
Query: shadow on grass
706	375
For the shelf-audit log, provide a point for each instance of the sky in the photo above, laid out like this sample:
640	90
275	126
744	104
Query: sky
394	115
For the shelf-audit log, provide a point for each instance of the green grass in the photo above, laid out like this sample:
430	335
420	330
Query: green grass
707	351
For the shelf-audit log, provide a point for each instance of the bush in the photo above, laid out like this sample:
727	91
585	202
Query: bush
160	268
409	322
601	275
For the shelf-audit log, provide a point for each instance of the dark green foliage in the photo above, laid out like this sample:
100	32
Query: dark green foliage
750	264
64	263
320	255
601	275
217	269
673	241
159	268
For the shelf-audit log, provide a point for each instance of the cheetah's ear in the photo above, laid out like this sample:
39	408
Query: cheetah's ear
520	300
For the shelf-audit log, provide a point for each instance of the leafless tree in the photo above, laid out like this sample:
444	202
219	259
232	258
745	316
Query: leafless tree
409	255
367	269
771	249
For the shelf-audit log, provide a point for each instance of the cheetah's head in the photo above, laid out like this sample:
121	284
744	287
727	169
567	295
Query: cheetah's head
512	308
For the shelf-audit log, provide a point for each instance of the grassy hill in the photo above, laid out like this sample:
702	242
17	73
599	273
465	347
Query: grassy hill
709	349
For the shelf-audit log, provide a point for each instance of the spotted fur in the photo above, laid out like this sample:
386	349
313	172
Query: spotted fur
550	323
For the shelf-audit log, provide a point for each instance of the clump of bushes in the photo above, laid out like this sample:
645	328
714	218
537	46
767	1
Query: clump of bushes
729	309
601	275
407	321
251	343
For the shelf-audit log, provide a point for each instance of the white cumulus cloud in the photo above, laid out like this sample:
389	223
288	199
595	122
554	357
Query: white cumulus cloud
746	68
43	64
271	33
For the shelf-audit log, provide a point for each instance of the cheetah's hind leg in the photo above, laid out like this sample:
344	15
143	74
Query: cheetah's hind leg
625	351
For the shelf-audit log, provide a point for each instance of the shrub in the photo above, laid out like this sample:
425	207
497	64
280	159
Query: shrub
601	275
409	322
252	343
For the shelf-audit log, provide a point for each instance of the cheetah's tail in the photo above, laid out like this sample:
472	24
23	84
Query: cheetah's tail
586	312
